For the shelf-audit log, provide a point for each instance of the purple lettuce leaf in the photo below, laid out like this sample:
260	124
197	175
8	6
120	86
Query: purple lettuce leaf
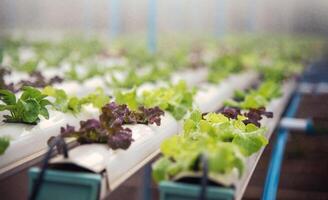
109	128
149	115
120	139
114	115
37	80
253	115
3	85
68	131
231	112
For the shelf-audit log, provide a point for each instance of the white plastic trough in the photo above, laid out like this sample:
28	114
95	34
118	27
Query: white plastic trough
277	106
146	144
121	164
30	141
211	97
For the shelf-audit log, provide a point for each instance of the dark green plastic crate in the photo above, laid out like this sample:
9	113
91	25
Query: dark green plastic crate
181	191
66	185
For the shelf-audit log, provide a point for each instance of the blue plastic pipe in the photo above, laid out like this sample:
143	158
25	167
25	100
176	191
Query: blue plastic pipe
114	18
152	43
273	174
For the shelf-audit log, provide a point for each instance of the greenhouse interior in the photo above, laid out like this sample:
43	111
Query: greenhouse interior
163	100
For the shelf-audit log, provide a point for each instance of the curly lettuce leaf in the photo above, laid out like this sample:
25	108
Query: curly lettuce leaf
129	98
181	154
251	142
73	104
176	99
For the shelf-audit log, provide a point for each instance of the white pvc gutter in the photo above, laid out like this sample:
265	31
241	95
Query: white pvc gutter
121	164
277	106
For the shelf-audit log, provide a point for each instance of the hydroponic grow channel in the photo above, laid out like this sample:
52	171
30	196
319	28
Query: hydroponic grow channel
83	111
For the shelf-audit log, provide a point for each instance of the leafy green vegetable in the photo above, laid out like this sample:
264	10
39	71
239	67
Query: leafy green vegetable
222	67
220	127
129	98
73	104
27	108
182	154
280	70
176	99
224	140
1	55
161	168
253	101
28	66
60	96
257	98
98	98
133	78
250	142
269	90
4	144
239	95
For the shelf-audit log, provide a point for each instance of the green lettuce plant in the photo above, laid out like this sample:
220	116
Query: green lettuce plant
26	109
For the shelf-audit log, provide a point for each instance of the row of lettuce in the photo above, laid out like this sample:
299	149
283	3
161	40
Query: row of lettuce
80	59
226	137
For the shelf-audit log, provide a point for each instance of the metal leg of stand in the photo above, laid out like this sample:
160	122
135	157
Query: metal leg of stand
273	174
146	190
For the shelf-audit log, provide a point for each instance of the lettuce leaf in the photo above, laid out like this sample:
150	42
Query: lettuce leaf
4	144
109	128
257	98
226	142
73	104
27	109
181	154
176	99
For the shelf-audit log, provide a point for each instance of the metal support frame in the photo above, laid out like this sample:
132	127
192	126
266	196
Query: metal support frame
152	28
152	47
273	175
12	13
296	124
114	18
221	17
146	190
88	16
313	81
252	16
